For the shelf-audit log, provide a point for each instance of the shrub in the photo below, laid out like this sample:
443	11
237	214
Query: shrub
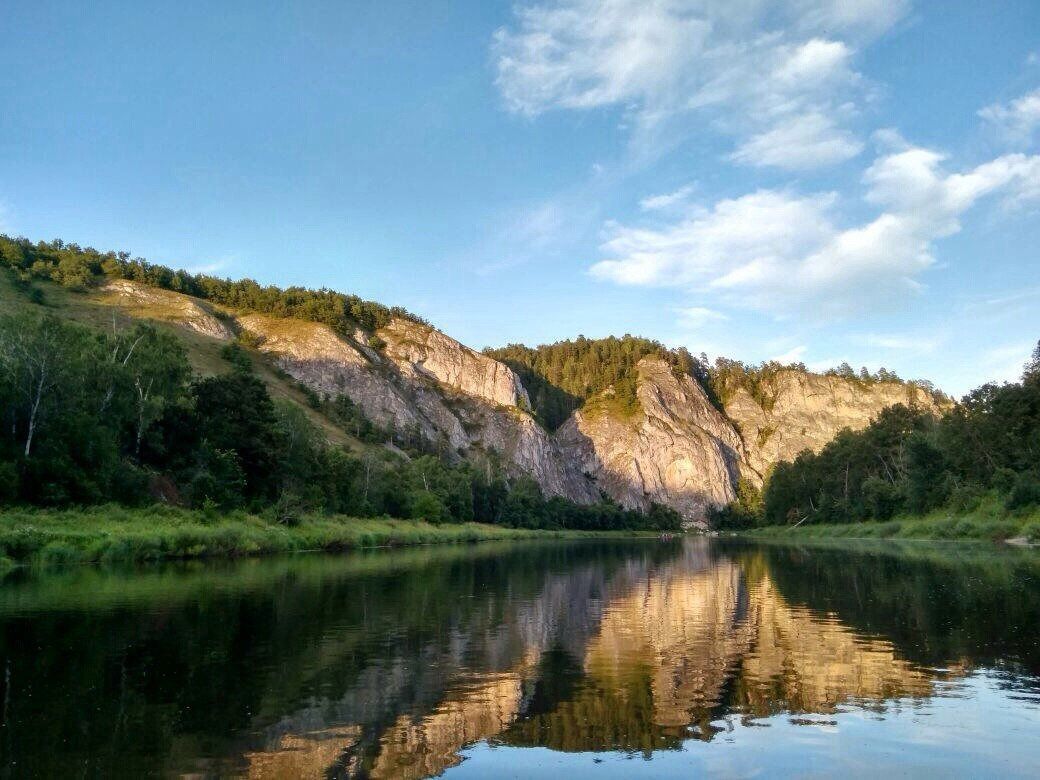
1025	493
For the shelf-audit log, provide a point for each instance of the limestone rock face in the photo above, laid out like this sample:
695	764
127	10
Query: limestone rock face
419	349
798	411
426	381
153	303
331	366
676	450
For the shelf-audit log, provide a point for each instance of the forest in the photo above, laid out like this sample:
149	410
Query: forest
78	268
560	377
909	462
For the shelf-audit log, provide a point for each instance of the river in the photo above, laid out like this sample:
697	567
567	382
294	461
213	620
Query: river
602	659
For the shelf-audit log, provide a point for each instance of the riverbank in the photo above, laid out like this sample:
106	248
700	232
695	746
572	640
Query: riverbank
987	522
113	534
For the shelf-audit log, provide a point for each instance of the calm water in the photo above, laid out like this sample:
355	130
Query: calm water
657	659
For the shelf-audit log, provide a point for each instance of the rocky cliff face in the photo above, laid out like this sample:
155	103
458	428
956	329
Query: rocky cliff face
673	448
676	449
796	411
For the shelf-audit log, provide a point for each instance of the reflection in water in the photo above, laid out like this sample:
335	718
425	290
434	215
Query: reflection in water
388	665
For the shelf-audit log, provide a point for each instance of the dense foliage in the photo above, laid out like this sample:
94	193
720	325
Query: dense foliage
79	268
89	416
907	461
560	377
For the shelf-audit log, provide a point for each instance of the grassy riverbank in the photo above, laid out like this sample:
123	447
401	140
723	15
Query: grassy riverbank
989	521
117	534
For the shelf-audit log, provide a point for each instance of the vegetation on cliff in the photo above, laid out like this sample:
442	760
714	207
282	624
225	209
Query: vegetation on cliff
91	416
910	463
82	267
560	377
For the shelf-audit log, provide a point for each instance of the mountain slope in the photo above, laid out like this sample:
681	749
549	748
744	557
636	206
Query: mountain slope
622	417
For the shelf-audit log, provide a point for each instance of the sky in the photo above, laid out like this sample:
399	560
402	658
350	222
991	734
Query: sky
812	180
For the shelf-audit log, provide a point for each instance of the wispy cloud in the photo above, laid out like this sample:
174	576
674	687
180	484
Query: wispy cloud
697	317
902	342
1005	363
221	264
793	355
1016	120
666	200
784	253
766	72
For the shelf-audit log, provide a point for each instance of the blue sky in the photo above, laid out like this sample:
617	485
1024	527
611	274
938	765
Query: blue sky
813	180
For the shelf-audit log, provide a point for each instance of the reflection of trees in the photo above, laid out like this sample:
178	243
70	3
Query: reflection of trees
386	667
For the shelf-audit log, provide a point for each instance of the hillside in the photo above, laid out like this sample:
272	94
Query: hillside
625	418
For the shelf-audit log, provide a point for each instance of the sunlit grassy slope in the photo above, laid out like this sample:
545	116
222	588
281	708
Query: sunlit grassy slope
105	311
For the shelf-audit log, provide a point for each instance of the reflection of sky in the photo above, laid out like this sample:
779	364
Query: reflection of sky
982	730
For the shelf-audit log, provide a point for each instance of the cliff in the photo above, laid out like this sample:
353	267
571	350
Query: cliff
671	446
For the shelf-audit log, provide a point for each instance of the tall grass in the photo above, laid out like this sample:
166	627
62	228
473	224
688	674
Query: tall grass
987	521
117	534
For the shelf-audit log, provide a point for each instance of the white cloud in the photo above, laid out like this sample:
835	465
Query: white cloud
755	66
1017	120
800	142
666	200
783	253
697	317
793	355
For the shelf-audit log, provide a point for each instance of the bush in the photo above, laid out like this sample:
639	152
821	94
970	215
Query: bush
1025	493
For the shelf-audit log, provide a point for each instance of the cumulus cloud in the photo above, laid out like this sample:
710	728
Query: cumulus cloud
1017	120
799	142
765	71
786	253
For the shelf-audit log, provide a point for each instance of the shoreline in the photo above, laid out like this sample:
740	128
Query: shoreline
1018	530
115	534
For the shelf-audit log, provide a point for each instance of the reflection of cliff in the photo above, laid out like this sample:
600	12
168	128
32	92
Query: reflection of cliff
809	663
687	645
628	662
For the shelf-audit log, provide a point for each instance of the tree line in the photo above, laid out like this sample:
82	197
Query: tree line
79	268
560	377
908	461
91	416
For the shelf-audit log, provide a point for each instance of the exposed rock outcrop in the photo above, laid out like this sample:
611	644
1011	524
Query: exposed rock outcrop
421	350
676	449
673	447
797	411
141	300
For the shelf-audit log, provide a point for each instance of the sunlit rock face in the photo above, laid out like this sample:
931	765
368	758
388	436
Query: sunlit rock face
797	411
141	300
420	350
426	382
676	449
673	448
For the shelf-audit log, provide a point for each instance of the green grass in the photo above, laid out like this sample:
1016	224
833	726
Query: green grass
989	521
116	534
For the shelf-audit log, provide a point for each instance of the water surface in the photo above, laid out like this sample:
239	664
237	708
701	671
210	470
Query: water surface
597	659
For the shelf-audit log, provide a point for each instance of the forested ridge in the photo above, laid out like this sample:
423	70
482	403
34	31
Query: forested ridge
911	462
91	415
79	268
562	376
